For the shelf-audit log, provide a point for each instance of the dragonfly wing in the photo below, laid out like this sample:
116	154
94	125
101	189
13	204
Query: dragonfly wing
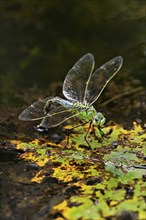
56	114
57	117
34	111
74	86
50	112
100	79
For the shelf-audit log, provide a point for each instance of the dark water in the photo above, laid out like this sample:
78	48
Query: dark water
41	40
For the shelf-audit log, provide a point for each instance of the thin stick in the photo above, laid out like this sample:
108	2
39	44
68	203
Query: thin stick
121	95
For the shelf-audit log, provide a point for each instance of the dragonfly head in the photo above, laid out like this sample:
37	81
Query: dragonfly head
99	120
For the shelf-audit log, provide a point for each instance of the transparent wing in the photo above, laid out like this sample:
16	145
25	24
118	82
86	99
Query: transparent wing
51	113
74	86
35	111
100	79
56	118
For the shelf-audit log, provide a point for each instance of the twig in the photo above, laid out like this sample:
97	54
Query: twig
139	89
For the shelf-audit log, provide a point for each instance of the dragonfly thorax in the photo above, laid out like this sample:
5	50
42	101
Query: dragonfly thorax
87	113
81	106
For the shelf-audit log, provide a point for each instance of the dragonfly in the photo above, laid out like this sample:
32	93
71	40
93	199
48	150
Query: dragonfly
82	87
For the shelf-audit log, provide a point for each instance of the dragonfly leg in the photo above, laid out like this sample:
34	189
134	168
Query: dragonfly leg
76	126
86	135
101	132
94	133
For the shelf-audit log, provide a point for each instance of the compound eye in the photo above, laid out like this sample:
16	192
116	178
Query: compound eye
103	121
99	119
95	119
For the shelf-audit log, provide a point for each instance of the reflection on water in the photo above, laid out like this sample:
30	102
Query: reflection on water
41	40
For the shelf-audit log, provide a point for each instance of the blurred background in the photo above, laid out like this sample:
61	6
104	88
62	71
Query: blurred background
41	40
